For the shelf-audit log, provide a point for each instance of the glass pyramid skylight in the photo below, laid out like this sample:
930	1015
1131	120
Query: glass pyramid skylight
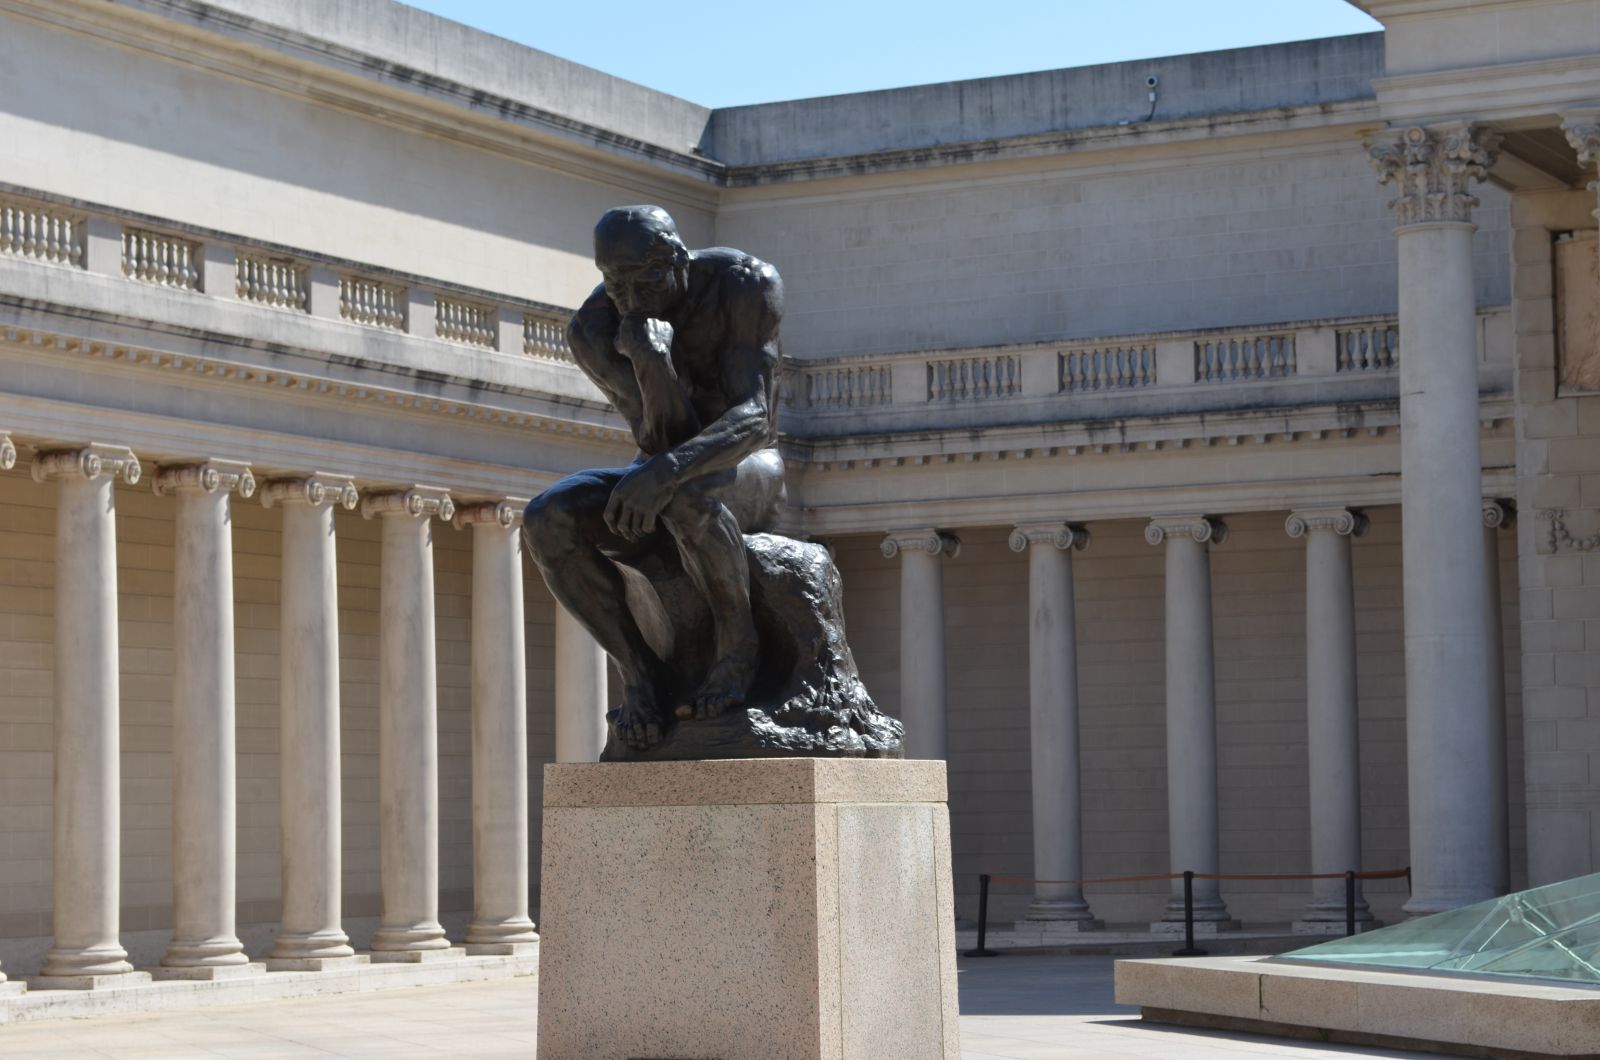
1550	932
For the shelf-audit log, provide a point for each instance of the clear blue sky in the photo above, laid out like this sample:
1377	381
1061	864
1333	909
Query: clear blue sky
722	53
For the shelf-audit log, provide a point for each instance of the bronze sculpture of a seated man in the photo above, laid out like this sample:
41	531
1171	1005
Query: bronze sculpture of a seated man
653	558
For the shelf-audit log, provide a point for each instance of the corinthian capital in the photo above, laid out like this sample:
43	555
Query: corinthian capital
422	502
933	542
1343	521
506	513
315	489
1434	168
90	462
1583	133
1061	535
210	476
8	452
1202	528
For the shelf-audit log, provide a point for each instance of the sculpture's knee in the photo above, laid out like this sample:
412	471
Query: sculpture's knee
550	525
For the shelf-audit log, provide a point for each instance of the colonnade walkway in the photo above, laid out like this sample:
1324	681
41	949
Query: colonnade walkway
1020	1008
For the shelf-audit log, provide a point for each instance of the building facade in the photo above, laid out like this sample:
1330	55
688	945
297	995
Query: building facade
1102	402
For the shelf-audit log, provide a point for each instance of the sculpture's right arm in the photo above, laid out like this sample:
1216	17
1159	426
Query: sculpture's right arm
591	336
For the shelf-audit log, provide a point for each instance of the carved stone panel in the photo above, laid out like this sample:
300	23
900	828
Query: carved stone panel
1578	312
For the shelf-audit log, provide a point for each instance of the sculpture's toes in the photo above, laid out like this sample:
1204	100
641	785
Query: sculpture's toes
711	704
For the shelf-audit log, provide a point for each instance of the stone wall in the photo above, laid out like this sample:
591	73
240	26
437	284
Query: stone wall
144	560
1259	615
1079	247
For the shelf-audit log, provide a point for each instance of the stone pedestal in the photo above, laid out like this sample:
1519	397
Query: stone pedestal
790	907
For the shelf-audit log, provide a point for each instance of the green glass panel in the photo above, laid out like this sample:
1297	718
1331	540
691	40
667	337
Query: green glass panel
1550	932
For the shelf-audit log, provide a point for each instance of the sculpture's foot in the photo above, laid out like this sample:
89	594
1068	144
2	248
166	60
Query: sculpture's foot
637	721
726	685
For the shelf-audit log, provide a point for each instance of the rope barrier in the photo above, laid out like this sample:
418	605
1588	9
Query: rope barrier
1375	874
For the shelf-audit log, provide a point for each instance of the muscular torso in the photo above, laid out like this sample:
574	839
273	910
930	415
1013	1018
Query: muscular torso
725	343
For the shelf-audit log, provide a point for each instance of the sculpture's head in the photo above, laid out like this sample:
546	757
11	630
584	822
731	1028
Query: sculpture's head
645	264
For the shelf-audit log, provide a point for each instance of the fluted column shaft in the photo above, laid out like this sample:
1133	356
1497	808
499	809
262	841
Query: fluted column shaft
1191	709
204	788
312	931
87	853
500	920
922	654
408	735
1333	742
580	691
1053	719
1448	714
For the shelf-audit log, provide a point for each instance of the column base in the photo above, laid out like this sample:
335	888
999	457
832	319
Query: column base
1175	928
116	981
1033	925
94	961
207	972
1333	928
316	964
1047	910
516	931
450	953
11	988
310	946
502	949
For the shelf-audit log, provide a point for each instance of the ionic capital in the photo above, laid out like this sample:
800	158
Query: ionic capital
8	452
1434	168
1345	522
422	502
933	542
210	476
317	488
1062	535
1202	528
90	462
1499	514
1583	133
507	513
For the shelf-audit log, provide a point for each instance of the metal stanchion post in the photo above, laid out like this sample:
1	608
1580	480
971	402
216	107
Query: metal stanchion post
1189	948
1350	902
983	919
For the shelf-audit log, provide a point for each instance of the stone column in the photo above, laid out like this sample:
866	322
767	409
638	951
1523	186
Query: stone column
1053	722
8	452
922	661
1191	716
1497	515
204	827
86	952
580	691
1448	717
1333	739
500	923
311	937
408	732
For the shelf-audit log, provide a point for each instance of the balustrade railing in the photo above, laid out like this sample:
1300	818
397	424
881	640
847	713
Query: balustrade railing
278	282
41	233
1248	357
973	378
466	322
869	386
372	302
545	336
1368	348
152	257
1105	368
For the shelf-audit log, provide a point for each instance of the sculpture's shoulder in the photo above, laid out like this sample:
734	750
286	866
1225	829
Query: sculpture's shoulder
744	288
595	322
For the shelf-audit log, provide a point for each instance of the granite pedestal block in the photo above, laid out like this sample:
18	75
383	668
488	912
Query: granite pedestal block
747	909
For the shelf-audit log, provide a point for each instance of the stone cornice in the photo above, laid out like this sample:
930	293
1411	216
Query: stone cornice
317	488
1065	536
421	502
1346	522
933	542
1202	528
506	513
1499	514
206	476
91	462
8	452
1434	168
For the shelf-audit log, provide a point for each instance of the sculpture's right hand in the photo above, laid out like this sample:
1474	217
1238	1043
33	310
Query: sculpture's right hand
642	336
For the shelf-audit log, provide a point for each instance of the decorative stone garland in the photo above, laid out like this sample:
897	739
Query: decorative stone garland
1560	537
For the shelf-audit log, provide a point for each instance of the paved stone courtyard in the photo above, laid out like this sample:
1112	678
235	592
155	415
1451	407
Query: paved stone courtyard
1017	1007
